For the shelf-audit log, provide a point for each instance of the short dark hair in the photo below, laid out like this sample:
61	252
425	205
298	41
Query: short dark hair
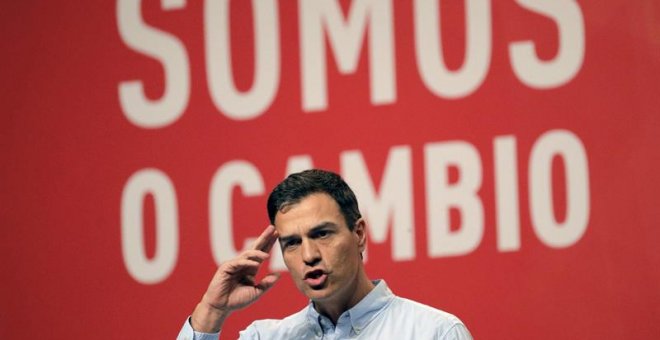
302	184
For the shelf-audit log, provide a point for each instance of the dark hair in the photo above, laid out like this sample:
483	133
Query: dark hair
302	184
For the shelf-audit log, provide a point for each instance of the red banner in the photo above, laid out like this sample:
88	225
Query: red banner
504	155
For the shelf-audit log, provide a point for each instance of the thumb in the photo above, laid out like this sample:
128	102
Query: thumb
268	281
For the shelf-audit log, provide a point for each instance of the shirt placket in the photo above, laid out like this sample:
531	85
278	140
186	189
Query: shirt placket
325	329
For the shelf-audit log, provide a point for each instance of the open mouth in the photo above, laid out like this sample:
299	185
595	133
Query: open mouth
315	278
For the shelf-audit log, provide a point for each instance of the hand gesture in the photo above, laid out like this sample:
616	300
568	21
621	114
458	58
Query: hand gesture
233	286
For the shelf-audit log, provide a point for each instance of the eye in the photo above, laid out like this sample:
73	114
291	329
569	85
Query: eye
290	243
323	233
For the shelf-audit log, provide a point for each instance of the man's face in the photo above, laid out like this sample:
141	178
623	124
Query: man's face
322	254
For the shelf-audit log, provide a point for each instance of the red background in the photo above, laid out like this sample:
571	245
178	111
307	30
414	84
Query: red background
67	151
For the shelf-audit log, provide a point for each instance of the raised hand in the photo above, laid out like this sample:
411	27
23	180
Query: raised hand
233	286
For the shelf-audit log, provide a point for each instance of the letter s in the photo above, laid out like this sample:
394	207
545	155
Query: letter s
541	74
169	51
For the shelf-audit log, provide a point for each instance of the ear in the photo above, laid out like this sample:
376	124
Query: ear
360	232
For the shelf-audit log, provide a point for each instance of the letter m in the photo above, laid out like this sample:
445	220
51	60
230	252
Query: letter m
346	36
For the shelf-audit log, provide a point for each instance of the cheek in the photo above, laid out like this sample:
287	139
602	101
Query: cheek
290	263
343	256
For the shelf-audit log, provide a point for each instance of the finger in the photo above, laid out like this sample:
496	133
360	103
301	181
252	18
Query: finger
238	265
268	281
271	241
265	241
256	255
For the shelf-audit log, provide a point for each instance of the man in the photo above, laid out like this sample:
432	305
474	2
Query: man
322	236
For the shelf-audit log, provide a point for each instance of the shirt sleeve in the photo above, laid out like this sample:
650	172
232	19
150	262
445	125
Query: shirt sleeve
188	333
250	333
456	332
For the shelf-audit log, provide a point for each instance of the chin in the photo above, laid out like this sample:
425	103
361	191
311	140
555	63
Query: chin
318	294
311	293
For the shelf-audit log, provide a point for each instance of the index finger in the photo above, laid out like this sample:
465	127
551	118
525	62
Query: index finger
266	240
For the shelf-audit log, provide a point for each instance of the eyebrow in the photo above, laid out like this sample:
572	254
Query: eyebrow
285	239
320	226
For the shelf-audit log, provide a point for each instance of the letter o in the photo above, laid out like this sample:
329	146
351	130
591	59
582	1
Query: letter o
142	269
567	145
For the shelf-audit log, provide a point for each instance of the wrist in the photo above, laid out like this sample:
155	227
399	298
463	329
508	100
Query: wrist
207	319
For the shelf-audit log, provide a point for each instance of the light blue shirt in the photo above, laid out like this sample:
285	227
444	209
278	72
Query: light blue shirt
379	315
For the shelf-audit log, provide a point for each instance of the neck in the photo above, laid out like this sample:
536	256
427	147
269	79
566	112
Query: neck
354	294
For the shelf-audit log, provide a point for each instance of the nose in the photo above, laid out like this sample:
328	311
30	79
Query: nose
310	253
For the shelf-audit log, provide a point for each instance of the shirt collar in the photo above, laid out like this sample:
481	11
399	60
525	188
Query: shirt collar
364	311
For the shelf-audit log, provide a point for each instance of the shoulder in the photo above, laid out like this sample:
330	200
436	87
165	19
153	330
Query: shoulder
295	318
277	328
423	311
443	324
